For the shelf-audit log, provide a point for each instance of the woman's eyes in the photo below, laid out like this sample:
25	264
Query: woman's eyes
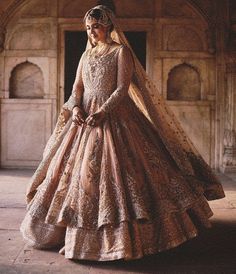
93	27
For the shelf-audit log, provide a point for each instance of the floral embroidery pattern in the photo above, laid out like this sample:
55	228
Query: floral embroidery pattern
113	191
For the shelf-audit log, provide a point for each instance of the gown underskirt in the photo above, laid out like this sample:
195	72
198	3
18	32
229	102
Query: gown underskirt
113	191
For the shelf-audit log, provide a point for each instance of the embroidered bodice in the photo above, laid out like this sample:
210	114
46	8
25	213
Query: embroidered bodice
99	74
105	77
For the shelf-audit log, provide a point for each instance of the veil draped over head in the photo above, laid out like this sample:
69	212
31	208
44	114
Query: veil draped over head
151	103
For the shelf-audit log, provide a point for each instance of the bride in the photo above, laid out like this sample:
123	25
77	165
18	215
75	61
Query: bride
119	179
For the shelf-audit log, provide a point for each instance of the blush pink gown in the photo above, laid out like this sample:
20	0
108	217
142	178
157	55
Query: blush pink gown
113	191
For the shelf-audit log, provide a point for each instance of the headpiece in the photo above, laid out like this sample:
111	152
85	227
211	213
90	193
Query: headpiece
106	15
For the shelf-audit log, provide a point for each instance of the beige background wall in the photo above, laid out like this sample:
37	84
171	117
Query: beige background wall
187	59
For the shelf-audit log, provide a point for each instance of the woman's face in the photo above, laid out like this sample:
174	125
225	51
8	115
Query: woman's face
96	31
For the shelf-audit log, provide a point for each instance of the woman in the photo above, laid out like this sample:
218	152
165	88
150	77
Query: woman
119	178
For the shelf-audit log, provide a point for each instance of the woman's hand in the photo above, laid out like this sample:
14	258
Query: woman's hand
78	116
96	118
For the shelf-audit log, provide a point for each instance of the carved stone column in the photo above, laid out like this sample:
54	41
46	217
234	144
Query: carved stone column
221	152
229	156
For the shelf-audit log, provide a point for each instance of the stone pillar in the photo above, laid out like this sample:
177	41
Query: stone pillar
222	115
229	140
229	153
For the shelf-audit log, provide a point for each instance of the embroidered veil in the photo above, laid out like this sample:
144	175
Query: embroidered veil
151	103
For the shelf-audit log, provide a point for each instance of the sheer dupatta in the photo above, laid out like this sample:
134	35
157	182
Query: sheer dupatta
151	103
148	99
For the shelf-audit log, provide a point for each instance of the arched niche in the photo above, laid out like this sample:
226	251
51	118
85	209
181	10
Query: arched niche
184	83
26	81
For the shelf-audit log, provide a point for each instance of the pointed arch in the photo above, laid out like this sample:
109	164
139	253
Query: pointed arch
26	81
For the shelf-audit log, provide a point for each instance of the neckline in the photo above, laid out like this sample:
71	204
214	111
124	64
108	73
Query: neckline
102	56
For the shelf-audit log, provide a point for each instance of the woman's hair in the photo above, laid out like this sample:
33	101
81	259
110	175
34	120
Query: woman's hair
98	15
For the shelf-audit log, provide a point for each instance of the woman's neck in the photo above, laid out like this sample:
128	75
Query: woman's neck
102	44
106	42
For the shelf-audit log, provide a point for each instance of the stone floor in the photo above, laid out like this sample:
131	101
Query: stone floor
214	251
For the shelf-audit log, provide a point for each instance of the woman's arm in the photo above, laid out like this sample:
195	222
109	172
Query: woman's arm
78	88
124	75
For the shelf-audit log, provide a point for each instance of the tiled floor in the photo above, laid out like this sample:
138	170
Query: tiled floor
212	252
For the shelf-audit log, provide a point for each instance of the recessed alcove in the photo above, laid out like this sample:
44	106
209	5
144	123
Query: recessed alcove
184	84
26	81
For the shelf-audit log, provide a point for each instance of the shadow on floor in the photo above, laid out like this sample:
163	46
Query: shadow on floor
213	251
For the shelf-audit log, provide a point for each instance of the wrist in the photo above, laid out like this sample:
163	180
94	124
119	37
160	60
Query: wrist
76	108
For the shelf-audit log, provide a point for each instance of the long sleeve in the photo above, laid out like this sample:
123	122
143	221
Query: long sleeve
124	74
78	88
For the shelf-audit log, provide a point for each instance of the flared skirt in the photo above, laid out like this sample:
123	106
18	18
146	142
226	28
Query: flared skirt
113	191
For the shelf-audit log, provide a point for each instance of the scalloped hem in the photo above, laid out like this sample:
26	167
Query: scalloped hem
126	240
122	254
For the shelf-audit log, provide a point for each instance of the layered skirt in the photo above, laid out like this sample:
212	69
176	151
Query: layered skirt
113	191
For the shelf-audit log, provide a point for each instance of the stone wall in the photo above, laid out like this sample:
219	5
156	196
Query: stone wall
185	59
28	84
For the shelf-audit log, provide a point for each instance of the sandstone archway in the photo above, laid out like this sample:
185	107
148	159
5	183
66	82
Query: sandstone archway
26	81
184	84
